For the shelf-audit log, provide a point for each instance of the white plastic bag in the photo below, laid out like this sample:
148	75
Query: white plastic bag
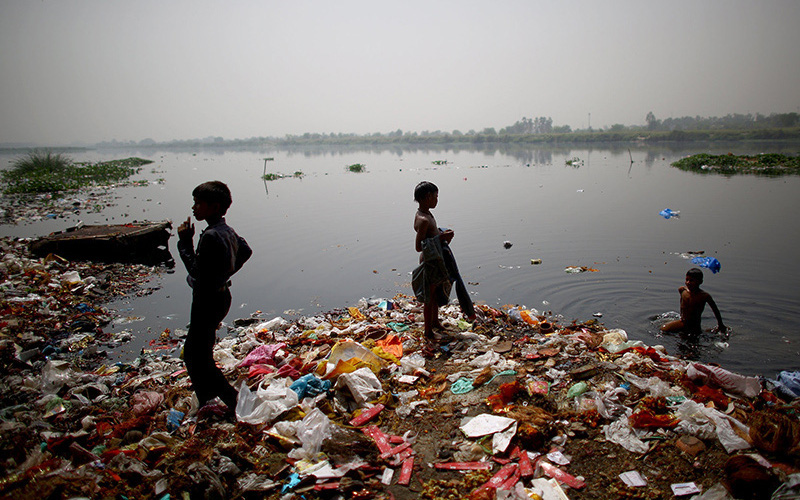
362	383
56	374
692	413
265	404
622	433
312	431
730	382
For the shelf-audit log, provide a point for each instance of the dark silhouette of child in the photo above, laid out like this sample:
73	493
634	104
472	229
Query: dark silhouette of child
220	253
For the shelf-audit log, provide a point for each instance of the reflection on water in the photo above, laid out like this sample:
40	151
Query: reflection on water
332	237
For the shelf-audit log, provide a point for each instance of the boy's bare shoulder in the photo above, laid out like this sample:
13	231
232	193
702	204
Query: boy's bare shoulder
421	221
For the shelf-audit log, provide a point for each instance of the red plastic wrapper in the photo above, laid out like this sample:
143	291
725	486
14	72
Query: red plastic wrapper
562	477
405	472
326	486
498	479
645	419
509	483
464	466
381	441
525	465
366	415
395	450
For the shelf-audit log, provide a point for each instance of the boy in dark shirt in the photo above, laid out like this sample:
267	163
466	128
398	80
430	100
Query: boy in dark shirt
693	302
220	253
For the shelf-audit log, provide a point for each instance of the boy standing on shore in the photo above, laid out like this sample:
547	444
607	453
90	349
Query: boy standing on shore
220	253
693	302
434	277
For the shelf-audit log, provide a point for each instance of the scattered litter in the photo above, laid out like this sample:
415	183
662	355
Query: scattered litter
682	489
579	269
633	479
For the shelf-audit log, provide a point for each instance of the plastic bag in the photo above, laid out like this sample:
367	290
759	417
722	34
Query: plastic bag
414	364
265	404
224	356
263	354
656	386
349	350
55	375
490	358
146	402
621	433
692	414
728	381
309	385
788	383
311	432
710	263
363	385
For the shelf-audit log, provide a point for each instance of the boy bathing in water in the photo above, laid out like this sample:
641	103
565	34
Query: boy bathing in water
220	253
434	277
693	302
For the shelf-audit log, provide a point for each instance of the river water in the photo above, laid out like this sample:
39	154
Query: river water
332	236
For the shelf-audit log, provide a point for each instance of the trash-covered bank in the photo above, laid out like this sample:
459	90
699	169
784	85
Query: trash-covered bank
519	404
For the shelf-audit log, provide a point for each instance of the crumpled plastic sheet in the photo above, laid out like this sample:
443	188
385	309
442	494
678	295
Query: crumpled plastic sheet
56	374
697	420
709	263
362	384
264	404
790	490
309	385
621	433
656	386
207	479
144	402
731	382
262	355
788	383
311	432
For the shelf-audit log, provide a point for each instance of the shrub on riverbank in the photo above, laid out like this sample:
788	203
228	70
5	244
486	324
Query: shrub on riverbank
764	164
46	172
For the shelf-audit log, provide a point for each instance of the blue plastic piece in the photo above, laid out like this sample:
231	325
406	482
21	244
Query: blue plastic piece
668	213
708	262
309	385
294	480
174	419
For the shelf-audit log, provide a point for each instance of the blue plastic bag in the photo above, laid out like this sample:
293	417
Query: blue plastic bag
708	262
309	385
174	419
668	213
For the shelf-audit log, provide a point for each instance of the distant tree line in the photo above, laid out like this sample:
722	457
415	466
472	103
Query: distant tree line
538	130
734	121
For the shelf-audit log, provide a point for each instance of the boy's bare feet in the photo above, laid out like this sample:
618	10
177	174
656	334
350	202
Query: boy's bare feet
430	349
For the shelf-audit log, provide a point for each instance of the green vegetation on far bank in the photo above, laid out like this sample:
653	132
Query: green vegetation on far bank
48	172
357	168
770	164
275	176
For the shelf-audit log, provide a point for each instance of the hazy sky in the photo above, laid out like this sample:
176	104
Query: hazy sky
95	70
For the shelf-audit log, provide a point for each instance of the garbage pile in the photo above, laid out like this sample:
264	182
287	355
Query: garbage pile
517	405
54	307
30	208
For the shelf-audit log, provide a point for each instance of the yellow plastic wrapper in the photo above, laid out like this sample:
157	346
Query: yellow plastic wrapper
356	314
